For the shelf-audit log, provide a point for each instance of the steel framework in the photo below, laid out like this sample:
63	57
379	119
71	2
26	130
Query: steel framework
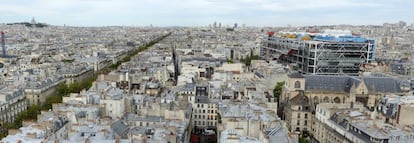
319	57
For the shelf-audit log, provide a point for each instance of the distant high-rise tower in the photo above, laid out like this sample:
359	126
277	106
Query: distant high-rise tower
219	25
176	64
3	44
214	24
235	25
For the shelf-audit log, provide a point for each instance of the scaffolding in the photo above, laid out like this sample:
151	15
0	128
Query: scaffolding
329	56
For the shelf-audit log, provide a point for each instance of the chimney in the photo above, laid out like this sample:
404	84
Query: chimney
3	44
126	76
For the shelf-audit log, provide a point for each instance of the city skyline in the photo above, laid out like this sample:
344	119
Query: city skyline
205	12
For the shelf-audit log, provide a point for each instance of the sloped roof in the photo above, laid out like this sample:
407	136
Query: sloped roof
300	99
119	128
382	84
295	75
344	83
328	83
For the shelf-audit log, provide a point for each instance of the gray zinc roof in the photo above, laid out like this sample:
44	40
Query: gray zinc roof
381	84
344	83
119	128
327	83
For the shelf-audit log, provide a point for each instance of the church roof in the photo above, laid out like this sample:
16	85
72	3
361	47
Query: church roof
344	83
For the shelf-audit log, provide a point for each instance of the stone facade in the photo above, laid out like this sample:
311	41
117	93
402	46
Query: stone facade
315	89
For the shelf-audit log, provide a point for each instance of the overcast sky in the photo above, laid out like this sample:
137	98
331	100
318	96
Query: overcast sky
204	12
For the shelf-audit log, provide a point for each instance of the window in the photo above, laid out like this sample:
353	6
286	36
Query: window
298	122
297	84
204	111
306	123
306	115
326	99
298	115
337	100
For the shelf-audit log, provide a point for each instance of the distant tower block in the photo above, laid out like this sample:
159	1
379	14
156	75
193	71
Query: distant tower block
3	44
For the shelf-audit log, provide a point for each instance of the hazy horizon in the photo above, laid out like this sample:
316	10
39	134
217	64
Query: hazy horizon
204	12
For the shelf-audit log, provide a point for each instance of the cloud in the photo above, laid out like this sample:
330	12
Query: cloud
202	12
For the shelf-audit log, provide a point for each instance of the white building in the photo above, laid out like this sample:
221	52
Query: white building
114	103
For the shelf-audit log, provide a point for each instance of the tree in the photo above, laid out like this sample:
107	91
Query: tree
278	89
74	87
303	140
50	100
249	58
230	61
62	90
30	114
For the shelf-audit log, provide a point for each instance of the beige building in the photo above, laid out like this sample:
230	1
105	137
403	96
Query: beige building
250	122
12	102
300	113
37	92
204	113
396	110
353	123
301	94
325	129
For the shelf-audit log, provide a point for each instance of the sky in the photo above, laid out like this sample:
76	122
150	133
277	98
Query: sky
205	12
